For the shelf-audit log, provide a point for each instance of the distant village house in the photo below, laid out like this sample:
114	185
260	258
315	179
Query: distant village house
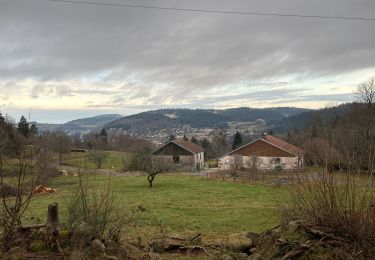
181	152
267	153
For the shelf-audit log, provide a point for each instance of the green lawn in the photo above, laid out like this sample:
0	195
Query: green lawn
183	204
114	160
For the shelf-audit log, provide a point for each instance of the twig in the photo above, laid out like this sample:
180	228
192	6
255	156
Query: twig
194	237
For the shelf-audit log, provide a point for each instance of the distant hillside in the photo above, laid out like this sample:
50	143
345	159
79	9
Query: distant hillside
300	120
89	123
201	118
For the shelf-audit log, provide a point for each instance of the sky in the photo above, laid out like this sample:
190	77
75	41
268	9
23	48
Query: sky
62	61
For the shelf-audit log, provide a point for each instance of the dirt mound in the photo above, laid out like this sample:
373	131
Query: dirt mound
40	189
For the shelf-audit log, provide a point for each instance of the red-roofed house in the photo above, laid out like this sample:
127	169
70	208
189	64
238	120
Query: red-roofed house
181	152
266	153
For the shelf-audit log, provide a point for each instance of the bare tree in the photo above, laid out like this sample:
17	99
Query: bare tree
98	157
155	168
366	91
143	161
26	169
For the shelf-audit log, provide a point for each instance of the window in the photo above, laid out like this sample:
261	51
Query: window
176	159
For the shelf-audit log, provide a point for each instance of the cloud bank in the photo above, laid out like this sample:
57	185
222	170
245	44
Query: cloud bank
104	59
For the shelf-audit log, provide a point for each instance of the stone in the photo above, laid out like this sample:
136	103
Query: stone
158	246
293	225
255	256
97	247
240	243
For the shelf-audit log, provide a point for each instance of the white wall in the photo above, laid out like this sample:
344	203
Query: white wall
261	162
199	158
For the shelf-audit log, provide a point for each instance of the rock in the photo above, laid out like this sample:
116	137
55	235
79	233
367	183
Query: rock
15	253
240	242
243	255
293	225
37	246
226	257
158	245
97	247
255	256
253	250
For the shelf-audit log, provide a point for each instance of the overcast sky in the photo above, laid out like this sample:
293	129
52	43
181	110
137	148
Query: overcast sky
67	61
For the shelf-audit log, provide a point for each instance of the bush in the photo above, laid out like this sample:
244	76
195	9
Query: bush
342	204
91	211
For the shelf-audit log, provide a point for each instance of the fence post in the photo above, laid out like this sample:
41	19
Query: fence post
52	222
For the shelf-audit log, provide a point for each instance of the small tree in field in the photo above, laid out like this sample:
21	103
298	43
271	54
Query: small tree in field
155	168
143	161
98	157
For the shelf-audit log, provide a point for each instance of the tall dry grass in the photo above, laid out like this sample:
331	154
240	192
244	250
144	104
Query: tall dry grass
339	203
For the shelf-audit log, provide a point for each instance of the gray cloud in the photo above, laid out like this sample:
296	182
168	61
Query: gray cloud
164	56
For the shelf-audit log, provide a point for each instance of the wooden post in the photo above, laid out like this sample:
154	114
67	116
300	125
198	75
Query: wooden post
52	222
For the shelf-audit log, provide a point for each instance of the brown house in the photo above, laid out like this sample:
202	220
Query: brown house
266	153
181	152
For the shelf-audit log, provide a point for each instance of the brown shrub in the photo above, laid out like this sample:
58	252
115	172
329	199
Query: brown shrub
342	204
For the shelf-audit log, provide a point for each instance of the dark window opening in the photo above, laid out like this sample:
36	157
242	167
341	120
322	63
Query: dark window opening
176	159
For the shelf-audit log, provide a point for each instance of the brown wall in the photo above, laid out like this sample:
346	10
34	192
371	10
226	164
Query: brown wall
172	149
165	159
261	148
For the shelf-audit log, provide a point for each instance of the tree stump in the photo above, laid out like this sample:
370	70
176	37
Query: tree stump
51	226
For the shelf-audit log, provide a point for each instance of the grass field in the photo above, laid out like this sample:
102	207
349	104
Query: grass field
114	160
183	204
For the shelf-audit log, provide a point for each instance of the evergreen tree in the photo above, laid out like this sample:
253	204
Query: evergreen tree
103	132
171	138
194	140
33	129
23	127
237	140
205	143
2	118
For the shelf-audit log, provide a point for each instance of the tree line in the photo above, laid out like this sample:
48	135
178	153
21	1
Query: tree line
342	141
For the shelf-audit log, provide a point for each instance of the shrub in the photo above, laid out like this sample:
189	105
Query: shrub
98	157
339	203
91	210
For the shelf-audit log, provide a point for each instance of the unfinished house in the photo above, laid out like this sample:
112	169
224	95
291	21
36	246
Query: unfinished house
266	154
182	153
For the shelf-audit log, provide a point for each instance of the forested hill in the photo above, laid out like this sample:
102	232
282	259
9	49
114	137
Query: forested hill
89	122
299	121
201	118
